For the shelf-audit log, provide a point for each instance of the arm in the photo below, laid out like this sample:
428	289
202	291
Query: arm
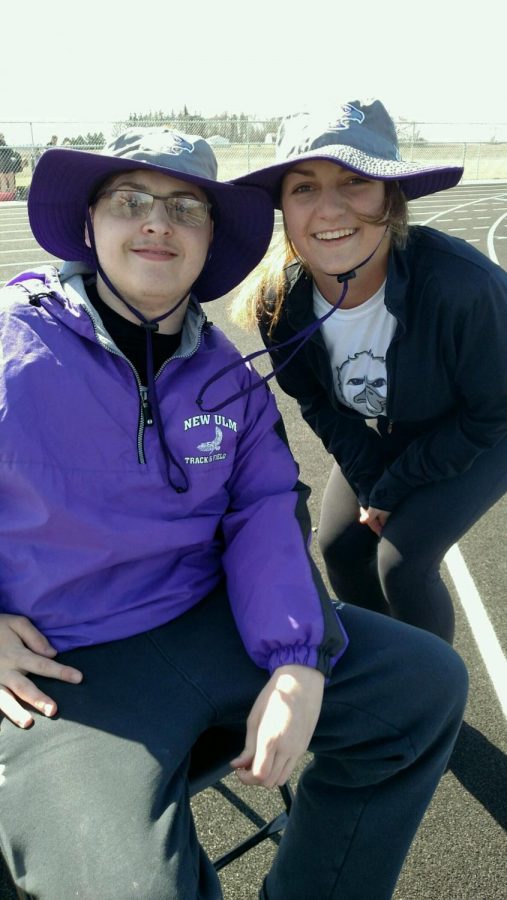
480	420
280	726
280	606
24	649
278	600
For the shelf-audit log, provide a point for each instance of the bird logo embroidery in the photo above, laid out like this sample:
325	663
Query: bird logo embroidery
210	446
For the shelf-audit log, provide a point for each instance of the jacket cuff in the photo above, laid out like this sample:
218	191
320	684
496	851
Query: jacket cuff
313	657
388	492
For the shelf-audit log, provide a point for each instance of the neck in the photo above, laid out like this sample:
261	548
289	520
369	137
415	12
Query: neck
150	306
360	288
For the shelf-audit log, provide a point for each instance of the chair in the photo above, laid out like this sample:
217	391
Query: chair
209	764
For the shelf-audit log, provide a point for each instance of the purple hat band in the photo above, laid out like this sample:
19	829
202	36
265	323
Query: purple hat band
64	182
361	138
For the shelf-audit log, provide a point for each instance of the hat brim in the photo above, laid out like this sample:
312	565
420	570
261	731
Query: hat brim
64	181
415	180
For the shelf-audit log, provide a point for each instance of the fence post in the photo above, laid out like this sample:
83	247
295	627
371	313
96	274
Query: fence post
32	165
248	145
478	162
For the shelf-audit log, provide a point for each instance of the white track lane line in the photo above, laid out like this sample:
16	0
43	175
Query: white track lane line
473	607
39	262
491	237
480	625
460	206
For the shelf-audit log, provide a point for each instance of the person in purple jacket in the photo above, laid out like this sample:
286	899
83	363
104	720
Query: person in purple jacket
155	578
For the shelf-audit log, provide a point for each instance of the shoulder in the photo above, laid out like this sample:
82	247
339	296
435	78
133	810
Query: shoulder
21	294
451	258
16	294
220	350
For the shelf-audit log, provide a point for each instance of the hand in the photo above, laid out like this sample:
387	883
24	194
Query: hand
374	518
25	649
280	726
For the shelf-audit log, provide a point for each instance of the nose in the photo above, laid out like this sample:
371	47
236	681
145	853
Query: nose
158	220
331	202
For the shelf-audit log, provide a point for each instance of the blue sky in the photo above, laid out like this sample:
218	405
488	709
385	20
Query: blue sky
433	61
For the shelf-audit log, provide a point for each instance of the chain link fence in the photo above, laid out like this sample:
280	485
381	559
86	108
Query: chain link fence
242	144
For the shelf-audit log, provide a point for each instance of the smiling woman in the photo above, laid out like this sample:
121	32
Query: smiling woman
358	311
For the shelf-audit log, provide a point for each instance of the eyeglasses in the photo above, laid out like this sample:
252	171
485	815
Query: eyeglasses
139	204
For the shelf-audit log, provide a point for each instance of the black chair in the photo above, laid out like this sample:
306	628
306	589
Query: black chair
209	764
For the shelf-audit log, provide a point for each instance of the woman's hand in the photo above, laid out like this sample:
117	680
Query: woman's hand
25	649
374	518
280	726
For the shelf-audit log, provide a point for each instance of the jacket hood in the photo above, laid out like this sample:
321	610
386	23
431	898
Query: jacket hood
63	295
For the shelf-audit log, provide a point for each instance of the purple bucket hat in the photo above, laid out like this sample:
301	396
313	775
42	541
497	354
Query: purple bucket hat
65	180
359	136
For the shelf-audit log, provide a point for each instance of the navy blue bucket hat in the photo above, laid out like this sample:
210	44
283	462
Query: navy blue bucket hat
65	181
361	137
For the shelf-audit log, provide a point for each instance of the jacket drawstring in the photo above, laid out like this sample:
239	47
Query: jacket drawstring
301	338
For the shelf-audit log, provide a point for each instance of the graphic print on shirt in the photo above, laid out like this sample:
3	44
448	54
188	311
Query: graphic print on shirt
362	384
205	446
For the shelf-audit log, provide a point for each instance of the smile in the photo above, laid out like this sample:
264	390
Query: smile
334	235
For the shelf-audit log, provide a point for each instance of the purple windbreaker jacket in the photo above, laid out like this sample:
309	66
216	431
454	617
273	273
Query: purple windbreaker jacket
95	545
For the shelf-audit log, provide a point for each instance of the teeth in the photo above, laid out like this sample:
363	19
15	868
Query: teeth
332	235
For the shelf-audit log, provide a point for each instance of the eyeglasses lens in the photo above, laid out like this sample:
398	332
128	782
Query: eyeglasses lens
138	205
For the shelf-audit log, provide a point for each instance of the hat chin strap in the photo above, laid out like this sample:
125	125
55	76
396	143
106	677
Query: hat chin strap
299	339
175	475
347	276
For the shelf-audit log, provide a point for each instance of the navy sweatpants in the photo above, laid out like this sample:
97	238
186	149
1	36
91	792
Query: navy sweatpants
94	804
400	574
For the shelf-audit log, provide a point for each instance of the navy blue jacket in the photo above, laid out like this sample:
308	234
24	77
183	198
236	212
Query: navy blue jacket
446	370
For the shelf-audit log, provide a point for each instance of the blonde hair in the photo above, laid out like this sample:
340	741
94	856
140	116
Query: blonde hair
262	294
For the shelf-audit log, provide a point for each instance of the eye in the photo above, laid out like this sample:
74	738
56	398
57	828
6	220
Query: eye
303	189
357	179
131	199
181	204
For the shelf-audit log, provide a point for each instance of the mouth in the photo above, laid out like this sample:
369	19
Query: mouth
155	254
336	235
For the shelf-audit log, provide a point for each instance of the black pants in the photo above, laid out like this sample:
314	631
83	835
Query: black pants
94	803
400	574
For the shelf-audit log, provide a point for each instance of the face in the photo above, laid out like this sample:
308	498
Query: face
322	205
151	261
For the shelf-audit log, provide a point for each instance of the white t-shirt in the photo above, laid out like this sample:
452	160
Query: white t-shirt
357	340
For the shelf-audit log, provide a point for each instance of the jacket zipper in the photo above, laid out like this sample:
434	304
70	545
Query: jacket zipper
389	368
145	412
145	409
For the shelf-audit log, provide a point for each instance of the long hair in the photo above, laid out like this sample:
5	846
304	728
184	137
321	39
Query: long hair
262	294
